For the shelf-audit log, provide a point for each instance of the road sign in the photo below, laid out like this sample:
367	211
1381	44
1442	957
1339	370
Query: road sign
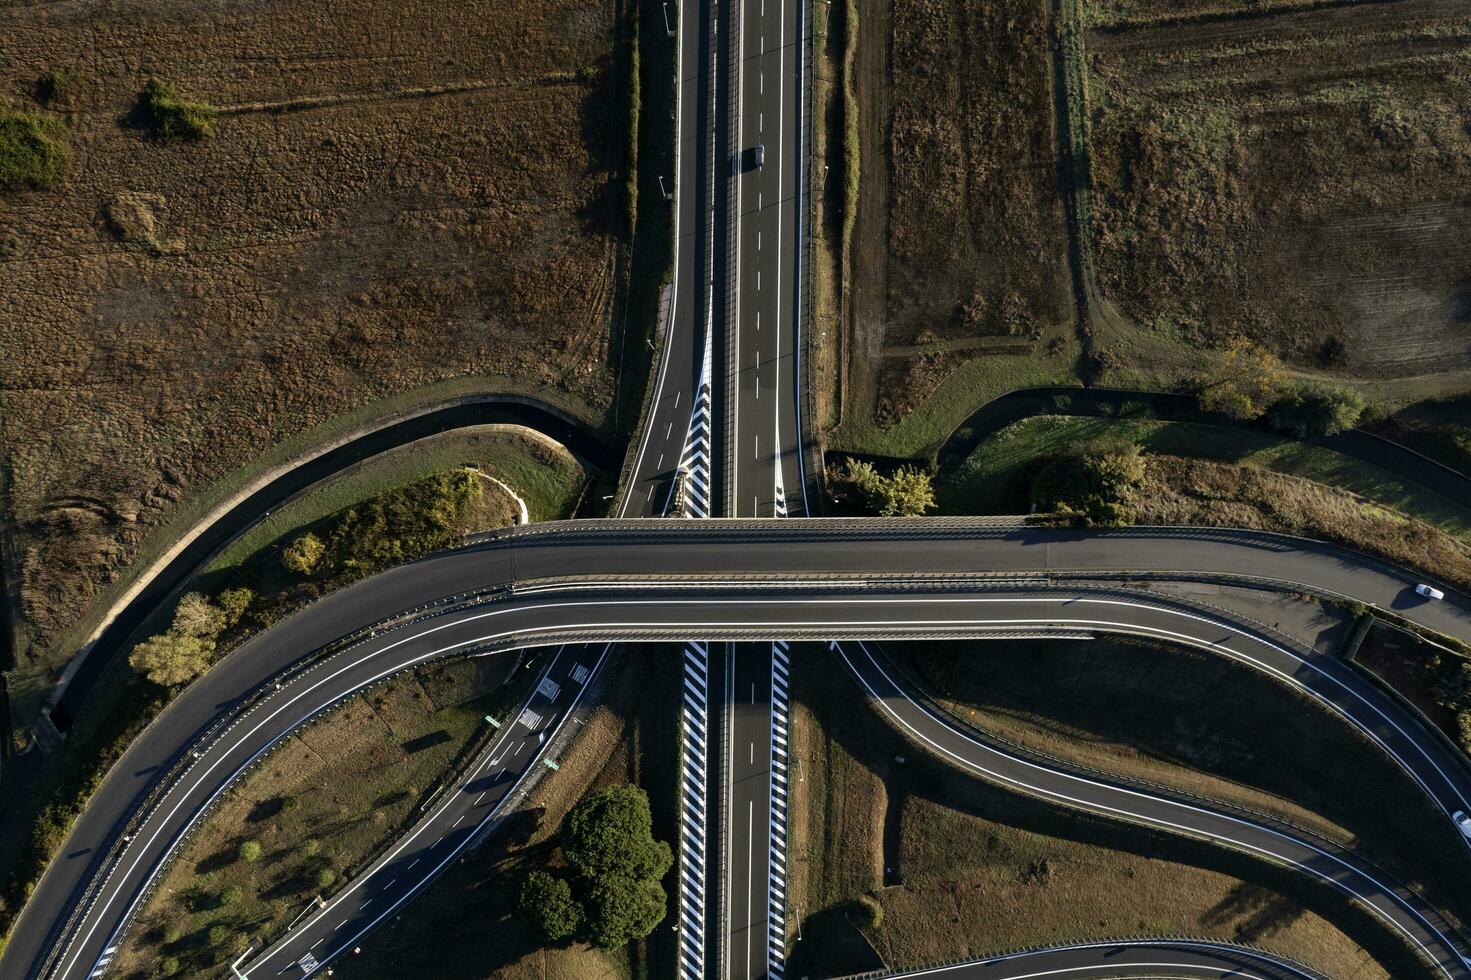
492	721
551	765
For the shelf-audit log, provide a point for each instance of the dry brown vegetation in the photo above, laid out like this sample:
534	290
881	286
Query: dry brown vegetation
1199	492
393	195
962	869
959	250
1294	173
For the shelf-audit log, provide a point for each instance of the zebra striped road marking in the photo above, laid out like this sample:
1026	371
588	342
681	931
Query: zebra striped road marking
776	899
695	730
694	459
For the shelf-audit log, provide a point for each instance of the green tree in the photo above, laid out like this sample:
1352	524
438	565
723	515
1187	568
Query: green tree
304	554
171	658
908	493
325	878
197	616
1463	730
1316	409
621	909
547	903
169	966
230	895
218	937
611	833
1095	484
1241	382
249	850
234	602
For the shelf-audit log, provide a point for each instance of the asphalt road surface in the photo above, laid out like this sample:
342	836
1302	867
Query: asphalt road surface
1131	958
452	823
657	452
1423	928
727	606
765	465
747	865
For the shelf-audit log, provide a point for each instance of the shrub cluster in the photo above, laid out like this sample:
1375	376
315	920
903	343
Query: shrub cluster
907	492
33	150
185	650
397	526
171	115
1094	484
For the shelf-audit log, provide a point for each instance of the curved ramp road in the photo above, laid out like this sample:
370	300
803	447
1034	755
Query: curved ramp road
672	580
1178	960
1424	929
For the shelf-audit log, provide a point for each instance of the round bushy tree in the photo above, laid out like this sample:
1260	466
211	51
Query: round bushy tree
621	909
547	903
611	833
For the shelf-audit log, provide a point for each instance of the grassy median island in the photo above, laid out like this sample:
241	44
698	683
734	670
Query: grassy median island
316	811
958	868
466	927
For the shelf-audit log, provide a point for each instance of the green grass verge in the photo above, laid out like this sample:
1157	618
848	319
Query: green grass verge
995	478
549	482
920	434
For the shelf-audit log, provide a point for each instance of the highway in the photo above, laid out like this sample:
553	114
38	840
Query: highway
754	591
763	389
1429	933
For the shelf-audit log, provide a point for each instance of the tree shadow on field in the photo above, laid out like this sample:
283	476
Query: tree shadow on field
1262	912
831	945
604	134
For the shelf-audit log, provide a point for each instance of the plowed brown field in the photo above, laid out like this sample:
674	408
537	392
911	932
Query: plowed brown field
1297	172
396	194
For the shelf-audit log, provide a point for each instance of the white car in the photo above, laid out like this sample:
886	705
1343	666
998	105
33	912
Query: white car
1463	823
1429	591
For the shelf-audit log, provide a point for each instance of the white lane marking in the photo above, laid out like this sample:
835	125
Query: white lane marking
528	718
549	689
413	862
390	884
660	463
579	674
752	759
317	943
750	868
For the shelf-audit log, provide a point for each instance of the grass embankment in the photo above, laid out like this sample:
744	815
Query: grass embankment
315	812
40	813
973	870
1226	477
1154	712
469	912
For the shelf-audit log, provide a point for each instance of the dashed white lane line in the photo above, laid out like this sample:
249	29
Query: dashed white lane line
414	862
457	821
317	943
476	803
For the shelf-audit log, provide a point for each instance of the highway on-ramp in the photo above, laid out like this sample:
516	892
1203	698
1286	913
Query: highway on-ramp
721	580
453	822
